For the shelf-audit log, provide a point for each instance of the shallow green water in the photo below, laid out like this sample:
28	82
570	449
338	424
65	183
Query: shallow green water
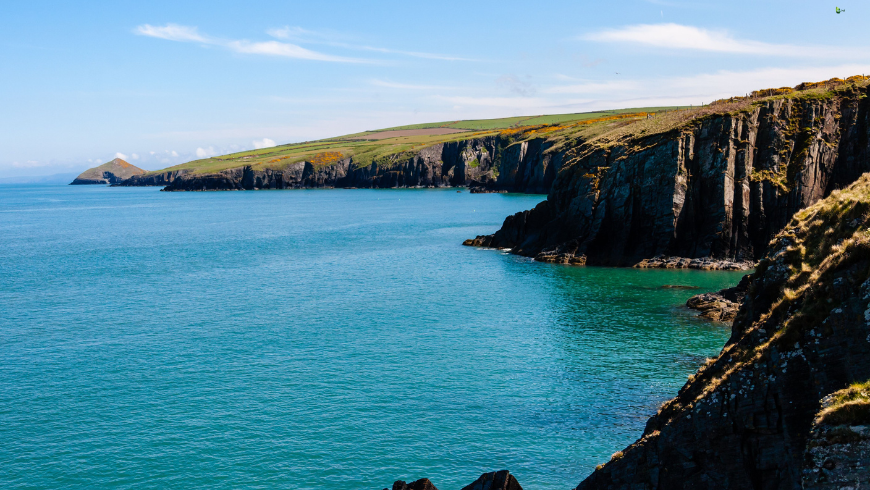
317	339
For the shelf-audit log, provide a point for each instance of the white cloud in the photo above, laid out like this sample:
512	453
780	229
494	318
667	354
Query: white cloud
275	48
174	153
205	152
676	36
175	32
134	156
263	143
121	156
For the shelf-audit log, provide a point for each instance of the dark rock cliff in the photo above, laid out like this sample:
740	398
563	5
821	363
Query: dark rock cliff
717	186
152	179
491	162
746	419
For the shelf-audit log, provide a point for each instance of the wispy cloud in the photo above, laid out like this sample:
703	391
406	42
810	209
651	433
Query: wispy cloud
329	38
175	32
275	48
690	38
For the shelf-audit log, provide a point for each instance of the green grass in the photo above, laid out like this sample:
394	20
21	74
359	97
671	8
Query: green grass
849	406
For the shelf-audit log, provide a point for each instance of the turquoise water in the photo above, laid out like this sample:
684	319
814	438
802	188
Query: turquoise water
316	339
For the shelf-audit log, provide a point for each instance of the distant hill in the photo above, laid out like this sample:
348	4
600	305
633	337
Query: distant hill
108	173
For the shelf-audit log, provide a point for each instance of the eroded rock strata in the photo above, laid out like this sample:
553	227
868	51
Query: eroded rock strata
717	186
748	419
489	164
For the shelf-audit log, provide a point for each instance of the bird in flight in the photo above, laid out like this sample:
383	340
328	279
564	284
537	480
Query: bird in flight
840	11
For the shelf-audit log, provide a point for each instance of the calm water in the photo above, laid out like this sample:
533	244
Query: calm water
325	339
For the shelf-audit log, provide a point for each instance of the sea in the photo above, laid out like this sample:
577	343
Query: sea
318	339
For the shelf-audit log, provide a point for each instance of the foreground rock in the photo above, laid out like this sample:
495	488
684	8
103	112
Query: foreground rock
112	172
719	186
723	305
421	484
497	480
747	418
838	451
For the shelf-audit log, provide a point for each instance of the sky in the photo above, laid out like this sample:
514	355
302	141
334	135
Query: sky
160	83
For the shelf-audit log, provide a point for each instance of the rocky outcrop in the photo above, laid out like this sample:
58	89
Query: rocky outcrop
746	419
111	172
496	480
716	186
490	164
723	305
421	484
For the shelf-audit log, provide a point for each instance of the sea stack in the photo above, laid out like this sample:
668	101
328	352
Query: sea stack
108	173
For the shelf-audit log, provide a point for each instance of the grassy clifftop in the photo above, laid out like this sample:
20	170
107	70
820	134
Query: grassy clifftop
372	146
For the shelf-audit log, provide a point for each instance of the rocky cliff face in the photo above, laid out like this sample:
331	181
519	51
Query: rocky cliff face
157	179
491	162
748	419
717	186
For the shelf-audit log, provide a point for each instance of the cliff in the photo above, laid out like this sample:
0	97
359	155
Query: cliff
111	172
491	162
717	182
770	412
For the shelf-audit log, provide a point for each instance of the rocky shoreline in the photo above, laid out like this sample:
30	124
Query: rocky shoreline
491	164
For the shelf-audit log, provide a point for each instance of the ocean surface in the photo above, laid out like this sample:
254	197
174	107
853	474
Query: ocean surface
328	339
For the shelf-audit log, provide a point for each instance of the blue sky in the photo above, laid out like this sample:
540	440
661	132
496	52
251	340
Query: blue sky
164	82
